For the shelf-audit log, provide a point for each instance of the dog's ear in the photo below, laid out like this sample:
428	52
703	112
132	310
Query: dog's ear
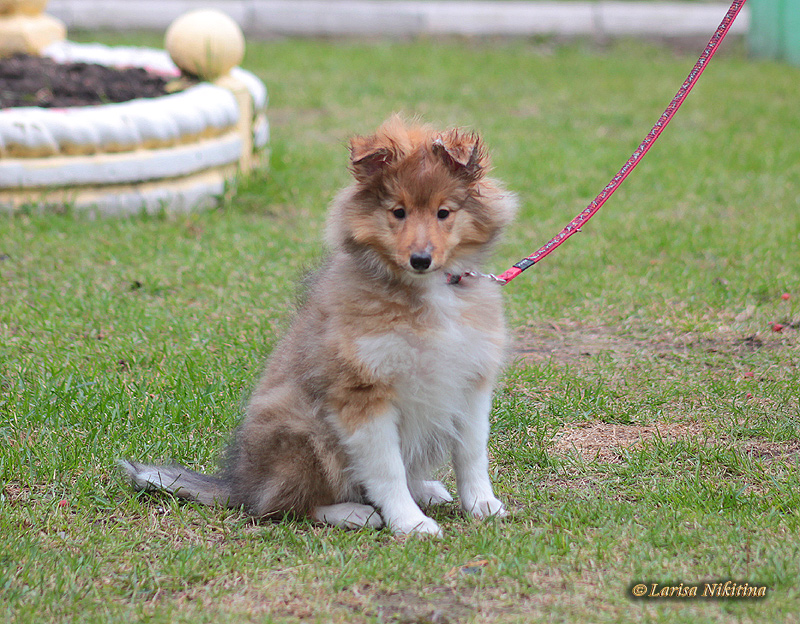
368	157
463	153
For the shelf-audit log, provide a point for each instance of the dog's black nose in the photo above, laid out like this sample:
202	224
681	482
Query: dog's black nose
420	261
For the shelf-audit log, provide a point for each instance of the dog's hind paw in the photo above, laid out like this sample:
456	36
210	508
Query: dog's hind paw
348	516
429	493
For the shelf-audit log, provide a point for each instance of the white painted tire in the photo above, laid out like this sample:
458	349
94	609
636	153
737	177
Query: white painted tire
140	142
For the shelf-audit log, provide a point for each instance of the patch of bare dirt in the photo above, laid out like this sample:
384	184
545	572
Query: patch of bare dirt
575	343
13	493
569	343
606	441
435	608
440	606
770	452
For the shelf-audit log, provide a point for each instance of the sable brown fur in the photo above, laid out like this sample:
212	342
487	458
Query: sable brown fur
377	346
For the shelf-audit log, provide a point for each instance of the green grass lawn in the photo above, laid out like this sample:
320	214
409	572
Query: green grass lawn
647	427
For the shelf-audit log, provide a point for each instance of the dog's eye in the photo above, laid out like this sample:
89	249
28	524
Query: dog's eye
443	213
399	213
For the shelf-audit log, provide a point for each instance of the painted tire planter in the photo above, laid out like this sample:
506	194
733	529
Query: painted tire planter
175	153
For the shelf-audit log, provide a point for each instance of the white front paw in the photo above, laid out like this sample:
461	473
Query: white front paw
416	526
485	508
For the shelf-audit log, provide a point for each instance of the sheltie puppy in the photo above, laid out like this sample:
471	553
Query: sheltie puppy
389	364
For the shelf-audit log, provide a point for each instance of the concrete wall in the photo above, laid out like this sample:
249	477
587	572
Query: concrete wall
265	18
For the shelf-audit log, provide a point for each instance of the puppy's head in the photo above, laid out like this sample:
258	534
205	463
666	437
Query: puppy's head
421	201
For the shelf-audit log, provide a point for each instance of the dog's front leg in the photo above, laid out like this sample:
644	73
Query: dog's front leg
374	449
471	461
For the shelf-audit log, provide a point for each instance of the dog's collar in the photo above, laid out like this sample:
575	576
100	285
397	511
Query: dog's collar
453	279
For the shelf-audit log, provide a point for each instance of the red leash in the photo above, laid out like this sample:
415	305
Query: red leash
578	222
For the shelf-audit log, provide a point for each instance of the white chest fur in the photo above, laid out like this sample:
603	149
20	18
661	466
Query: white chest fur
440	348
440	369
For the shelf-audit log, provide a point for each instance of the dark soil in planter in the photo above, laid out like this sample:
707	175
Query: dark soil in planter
27	80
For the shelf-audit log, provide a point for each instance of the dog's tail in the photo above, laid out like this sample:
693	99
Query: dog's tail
178	480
